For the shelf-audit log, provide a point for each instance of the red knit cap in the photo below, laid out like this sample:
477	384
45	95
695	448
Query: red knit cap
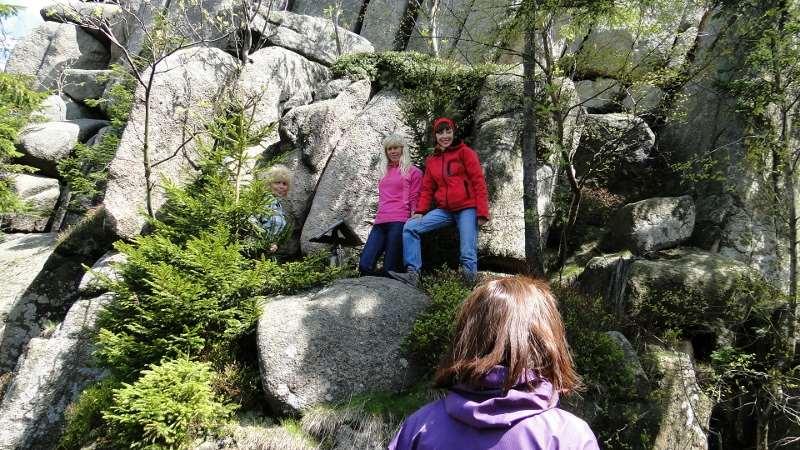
442	120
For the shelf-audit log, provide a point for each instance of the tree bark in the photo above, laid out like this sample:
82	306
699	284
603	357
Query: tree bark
530	163
790	185
407	25
762	428
435	28
335	19
362	14
146	144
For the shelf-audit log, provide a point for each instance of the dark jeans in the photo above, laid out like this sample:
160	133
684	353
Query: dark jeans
387	239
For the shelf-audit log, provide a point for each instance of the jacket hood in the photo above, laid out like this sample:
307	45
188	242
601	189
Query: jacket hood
490	407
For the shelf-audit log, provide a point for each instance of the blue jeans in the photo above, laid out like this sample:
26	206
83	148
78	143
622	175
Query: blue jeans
387	239
467	222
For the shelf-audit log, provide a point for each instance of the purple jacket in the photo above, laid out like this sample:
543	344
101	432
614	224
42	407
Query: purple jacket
489	419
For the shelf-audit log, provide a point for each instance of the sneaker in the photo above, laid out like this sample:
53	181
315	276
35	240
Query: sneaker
411	277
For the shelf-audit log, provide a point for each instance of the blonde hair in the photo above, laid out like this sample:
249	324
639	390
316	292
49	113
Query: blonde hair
395	140
278	173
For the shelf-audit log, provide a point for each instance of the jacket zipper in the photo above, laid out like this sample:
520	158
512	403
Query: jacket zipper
446	187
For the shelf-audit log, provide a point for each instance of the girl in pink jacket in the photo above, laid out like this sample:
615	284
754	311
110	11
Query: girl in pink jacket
398	191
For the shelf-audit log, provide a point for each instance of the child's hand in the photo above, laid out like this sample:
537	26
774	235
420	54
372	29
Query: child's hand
416	216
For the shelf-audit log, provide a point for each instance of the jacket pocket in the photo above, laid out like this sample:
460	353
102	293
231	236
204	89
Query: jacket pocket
454	167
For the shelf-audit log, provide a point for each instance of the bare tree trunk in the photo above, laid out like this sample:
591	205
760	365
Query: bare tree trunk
783	178
460	30
435	28
362	13
407	25
148	167
335	19
790	184
249	11
762	427
530	164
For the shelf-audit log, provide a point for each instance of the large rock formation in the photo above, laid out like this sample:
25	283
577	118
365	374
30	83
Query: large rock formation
44	145
642	98
112	17
182	96
626	282
663	36
22	257
313	131
348	189
651	225
276	81
313	37
313	345
382	22
104	269
348	10
705	127
684	409
81	84
53	47
40	195
466	30
49	376
328	345
632	362
614	146
497	145
52	109
600	95
41	289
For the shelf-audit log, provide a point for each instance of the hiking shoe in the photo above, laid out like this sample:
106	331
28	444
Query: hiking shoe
468	278
411	277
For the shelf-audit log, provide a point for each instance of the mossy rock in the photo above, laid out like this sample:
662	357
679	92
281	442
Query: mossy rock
683	409
713	275
678	288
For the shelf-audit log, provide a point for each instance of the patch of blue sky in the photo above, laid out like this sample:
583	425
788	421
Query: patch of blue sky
14	29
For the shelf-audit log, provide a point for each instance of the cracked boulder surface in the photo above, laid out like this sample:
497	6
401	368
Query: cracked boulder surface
329	344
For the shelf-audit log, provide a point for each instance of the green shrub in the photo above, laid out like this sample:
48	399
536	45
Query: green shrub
609	379
84	418
197	298
240	384
295	276
193	286
748	370
177	300
597	356
18	100
686	310
170	406
431	333
118	101
190	293
208	203
86	169
429	87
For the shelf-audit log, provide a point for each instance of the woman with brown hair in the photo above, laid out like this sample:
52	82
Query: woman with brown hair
508	364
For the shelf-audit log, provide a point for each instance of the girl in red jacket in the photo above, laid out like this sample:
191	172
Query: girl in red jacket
454	180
